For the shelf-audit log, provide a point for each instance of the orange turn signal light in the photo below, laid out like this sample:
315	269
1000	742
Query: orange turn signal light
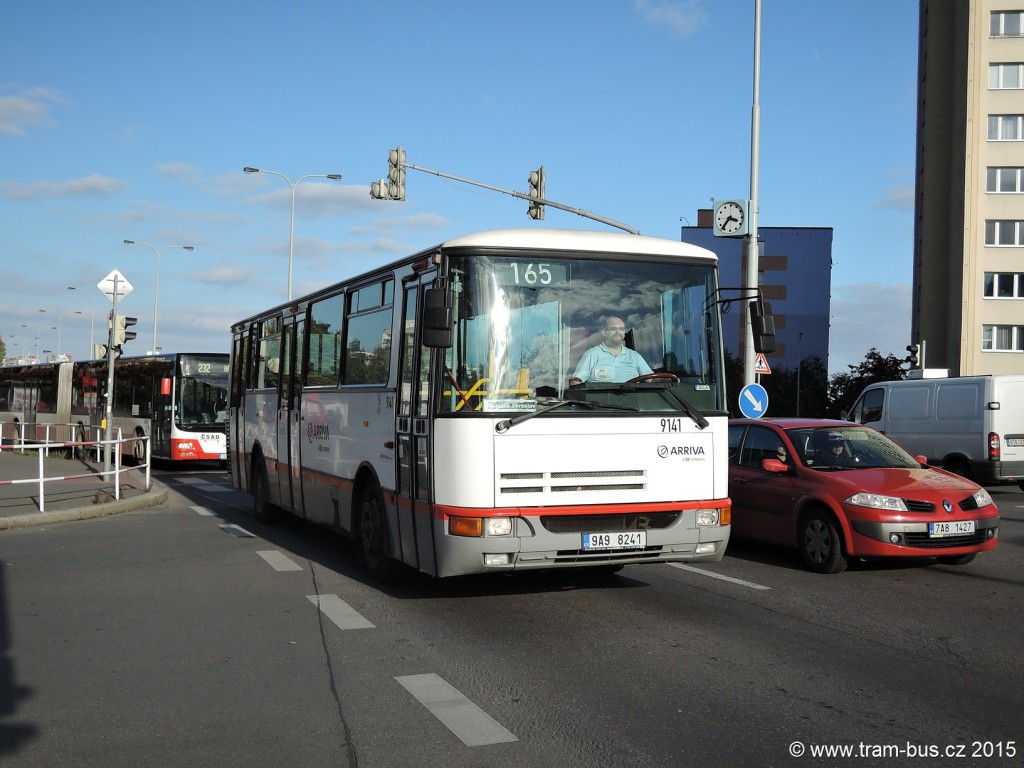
466	526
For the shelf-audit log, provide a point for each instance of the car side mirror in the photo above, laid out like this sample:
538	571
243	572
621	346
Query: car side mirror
922	460
774	465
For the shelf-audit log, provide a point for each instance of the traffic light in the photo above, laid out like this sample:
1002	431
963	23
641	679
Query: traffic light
536	210
912	358
396	174
121	334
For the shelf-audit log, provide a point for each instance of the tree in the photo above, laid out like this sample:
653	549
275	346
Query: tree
844	388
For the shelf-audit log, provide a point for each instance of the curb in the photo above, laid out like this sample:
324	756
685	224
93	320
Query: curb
152	498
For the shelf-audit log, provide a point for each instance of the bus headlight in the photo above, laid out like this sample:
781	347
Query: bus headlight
498	526
706	517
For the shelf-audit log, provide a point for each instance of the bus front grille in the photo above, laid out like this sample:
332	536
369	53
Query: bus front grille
628	521
572	482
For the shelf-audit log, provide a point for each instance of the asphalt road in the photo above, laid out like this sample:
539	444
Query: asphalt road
191	635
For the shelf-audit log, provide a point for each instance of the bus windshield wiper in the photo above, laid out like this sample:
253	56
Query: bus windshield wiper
506	424
691	410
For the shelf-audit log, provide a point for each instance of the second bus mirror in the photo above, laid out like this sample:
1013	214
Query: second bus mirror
762	324
437	318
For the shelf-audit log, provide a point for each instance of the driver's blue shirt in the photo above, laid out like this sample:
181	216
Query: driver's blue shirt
600	365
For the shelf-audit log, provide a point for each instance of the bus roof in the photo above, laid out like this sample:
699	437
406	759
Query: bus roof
578	240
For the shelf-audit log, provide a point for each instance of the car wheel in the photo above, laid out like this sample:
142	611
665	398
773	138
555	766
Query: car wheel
958	559
262	509
373	537
821	544
959	467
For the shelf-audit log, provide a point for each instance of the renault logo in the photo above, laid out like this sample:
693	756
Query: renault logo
947	505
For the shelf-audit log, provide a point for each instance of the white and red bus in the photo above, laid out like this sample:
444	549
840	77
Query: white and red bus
428	408
178	400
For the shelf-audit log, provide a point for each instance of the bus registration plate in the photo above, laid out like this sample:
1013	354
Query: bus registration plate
951	528
620	540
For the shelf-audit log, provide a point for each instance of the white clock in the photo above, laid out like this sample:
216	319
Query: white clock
731	218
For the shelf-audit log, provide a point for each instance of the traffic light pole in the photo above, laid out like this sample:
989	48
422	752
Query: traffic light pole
528	198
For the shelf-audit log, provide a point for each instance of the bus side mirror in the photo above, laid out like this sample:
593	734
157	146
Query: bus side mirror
762	324
437	318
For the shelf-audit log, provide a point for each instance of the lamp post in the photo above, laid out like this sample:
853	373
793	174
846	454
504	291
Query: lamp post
291	230
156	289
60	322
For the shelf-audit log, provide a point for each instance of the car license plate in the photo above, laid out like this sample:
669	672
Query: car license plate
1015	442
621	540
951	528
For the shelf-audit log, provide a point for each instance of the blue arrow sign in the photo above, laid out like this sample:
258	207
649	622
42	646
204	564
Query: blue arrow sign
753	401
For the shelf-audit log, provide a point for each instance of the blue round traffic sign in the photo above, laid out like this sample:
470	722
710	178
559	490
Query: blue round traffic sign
753	401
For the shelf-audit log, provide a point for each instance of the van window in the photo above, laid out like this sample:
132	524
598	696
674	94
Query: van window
907	403
869	407
958	401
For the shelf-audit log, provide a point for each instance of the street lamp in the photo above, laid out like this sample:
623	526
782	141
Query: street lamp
291	231
60	321
156	289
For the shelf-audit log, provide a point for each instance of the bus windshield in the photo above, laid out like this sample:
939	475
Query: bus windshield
202	393
531	331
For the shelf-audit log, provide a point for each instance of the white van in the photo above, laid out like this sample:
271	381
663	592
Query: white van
972	425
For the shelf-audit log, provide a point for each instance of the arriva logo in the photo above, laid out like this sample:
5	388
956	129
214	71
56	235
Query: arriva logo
664	451
318	432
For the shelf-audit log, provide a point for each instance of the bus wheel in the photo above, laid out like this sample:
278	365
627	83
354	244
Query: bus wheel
821	544
373	536
262	509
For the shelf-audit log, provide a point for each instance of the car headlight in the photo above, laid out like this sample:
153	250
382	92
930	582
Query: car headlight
981	498
874	501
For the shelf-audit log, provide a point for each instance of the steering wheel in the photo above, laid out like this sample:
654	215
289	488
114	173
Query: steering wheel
659	375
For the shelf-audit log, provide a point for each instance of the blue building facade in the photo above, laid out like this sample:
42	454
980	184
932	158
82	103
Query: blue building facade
795	277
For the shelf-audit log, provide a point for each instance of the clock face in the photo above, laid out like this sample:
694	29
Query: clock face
729	217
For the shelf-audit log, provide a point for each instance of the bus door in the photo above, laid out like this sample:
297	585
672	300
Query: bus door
289	411
412	432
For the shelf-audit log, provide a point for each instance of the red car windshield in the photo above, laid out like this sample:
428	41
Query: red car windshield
840	447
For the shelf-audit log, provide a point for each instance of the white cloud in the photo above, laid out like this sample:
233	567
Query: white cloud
89	186
683	17
30	107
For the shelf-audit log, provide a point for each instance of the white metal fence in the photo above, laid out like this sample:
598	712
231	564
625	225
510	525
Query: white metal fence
20	441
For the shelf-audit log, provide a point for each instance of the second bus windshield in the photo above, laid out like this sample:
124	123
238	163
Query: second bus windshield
526	327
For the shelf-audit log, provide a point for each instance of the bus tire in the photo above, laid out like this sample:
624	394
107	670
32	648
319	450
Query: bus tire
262	509
373	537
820	543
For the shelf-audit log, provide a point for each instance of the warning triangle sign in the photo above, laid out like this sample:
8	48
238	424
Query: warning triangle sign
761	364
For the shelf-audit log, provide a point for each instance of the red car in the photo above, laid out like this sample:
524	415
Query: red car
837	490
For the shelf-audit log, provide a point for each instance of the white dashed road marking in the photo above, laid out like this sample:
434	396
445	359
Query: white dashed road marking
203	511
731	580
278	561
340	612
237	531
462	717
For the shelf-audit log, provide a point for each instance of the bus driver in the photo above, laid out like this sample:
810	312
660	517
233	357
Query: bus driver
610	361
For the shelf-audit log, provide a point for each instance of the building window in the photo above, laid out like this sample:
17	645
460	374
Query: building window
1002	338
1004	233
1004	285
1005	180
1005	127
1005	76
1006	24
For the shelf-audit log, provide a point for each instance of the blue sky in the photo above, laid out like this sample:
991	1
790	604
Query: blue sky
134	120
